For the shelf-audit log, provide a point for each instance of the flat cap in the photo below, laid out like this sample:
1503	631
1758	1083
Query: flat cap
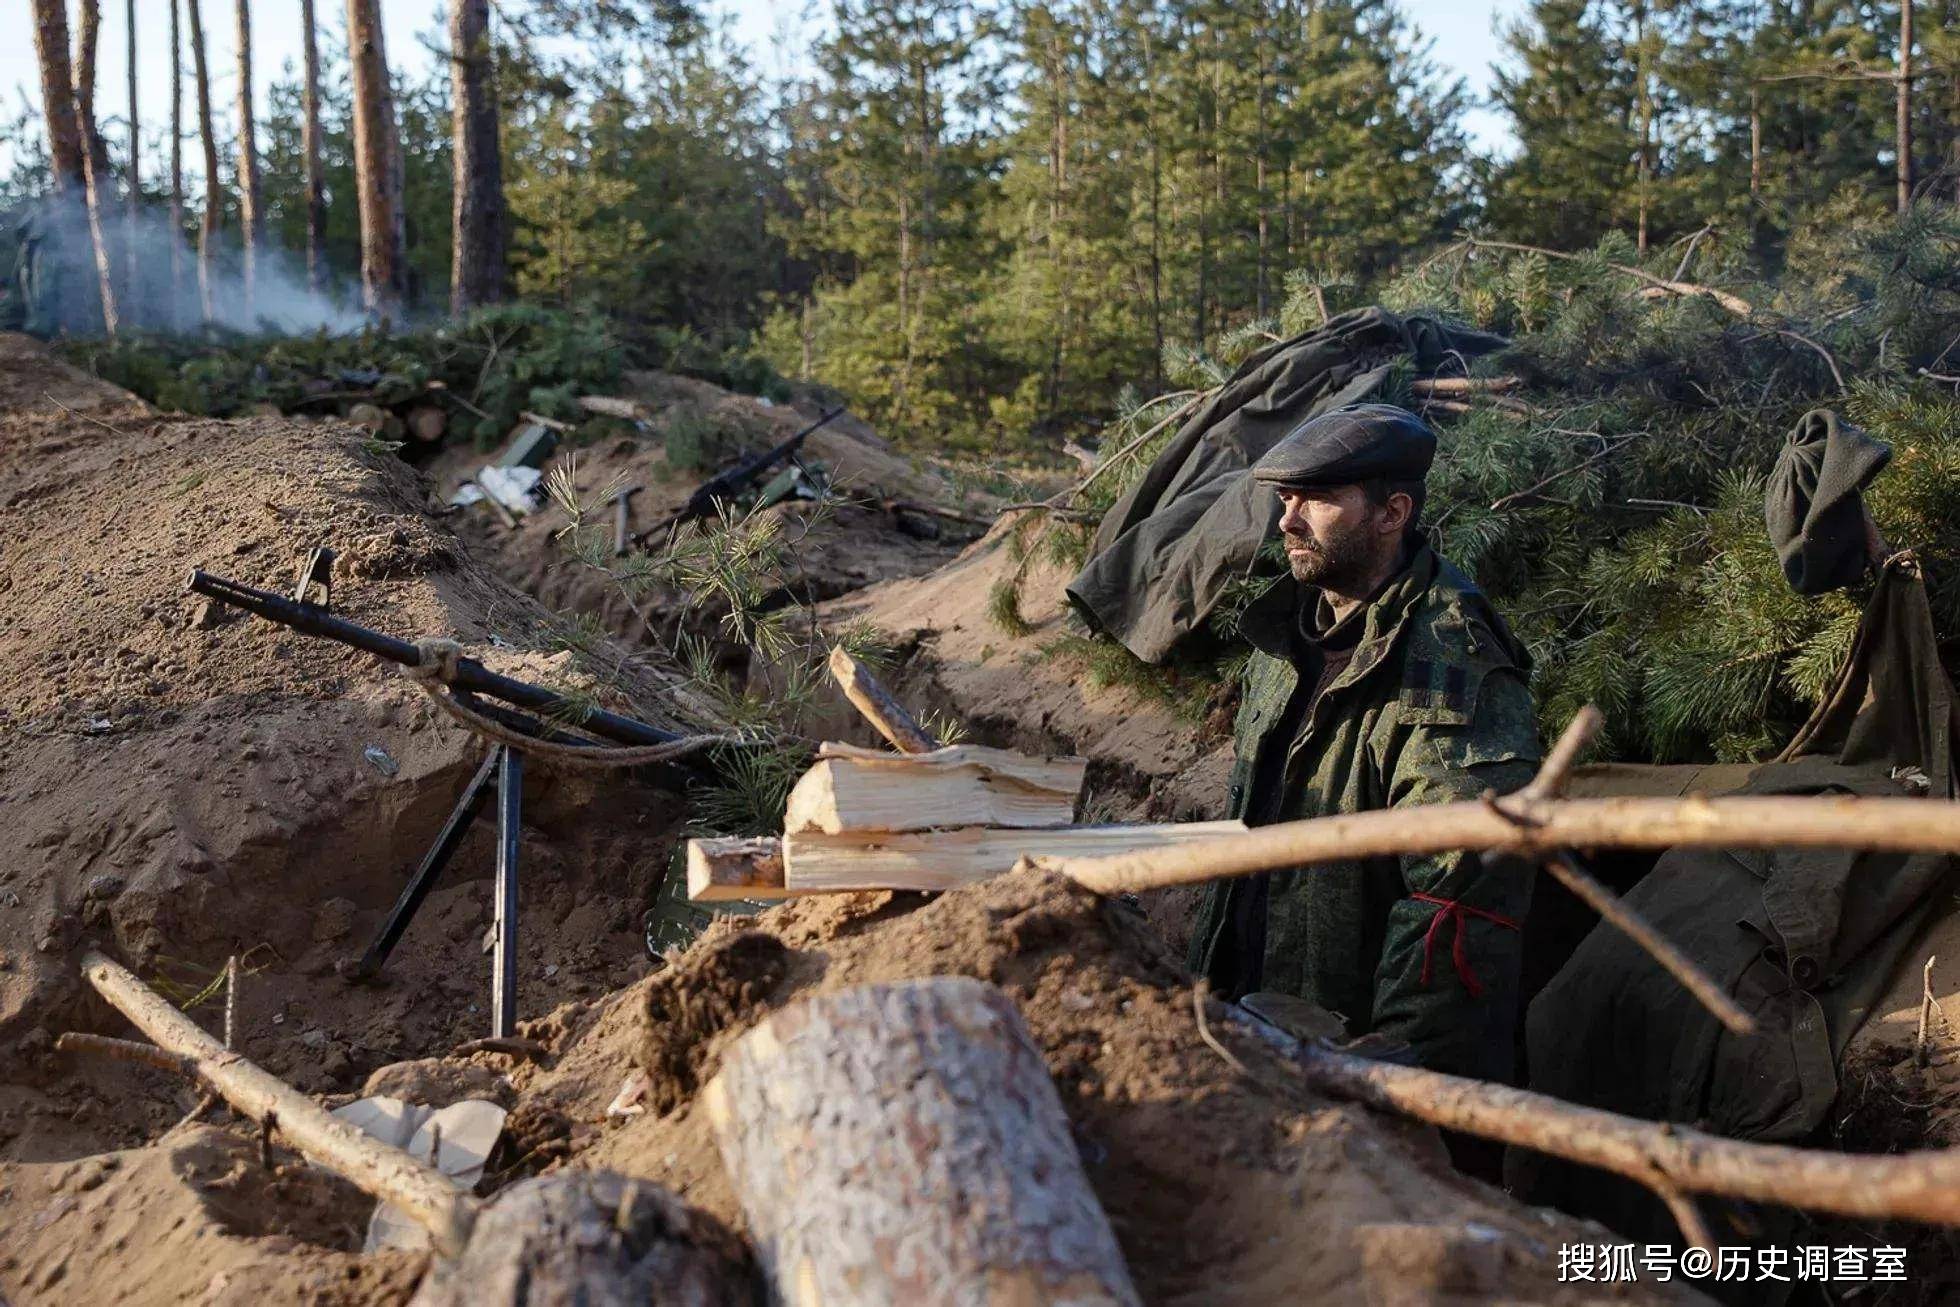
1351	445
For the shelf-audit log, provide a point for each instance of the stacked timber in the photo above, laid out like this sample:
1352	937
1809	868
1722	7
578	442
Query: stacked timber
865	819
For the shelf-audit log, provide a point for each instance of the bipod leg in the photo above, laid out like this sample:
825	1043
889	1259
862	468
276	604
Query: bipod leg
447	841
510	811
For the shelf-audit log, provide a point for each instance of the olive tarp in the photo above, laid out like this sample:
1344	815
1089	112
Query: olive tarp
1167	552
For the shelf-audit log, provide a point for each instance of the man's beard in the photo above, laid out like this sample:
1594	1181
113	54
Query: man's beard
1341	564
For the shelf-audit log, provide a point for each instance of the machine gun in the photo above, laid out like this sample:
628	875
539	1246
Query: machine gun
726	485
504	764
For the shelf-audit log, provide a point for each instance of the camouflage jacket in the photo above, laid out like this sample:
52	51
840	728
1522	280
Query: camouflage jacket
1434	707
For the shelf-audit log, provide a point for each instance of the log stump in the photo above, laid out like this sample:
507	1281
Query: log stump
595	1239
904	1144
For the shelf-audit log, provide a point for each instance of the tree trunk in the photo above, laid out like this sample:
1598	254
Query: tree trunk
377	168
592	1237
132	296
173	316
58	96
249	221
207	229
903	1143
1644	170
477	208
1904	143
95	157
316	187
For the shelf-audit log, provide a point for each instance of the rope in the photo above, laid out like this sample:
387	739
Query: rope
436	667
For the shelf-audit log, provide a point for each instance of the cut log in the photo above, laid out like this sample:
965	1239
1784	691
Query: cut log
904	1144
592	1237
726	870
607	406
878	706
962	786
947	859
420	1190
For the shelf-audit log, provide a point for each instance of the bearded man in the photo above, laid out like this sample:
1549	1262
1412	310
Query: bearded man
1381	677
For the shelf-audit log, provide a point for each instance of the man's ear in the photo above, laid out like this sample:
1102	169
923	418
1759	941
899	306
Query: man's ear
1396	513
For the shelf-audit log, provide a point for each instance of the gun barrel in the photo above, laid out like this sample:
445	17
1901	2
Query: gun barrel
471	675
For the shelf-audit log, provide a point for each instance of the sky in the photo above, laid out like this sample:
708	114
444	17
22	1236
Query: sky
1463	32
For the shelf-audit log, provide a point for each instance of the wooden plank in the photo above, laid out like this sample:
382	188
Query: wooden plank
850	794
816	863
724	870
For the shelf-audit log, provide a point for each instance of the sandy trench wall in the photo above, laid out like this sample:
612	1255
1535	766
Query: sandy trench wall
181	783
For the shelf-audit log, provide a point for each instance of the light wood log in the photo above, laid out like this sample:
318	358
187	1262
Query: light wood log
1677	1159
608	406
727	870
592	1237
868	794
1534	829
879	708
374	1167
903	1144
947	859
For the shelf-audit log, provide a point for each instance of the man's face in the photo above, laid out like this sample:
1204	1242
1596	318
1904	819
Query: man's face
1334	536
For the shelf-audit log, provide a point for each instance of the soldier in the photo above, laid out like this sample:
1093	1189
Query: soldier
1381	677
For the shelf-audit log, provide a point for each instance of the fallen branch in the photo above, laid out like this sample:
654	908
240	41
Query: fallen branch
1611	449
374	1167
1464	385
1735	304
878	705
511	1046
125	1050
896	506
1535	829
1177	416
609	406
1920	1055
1668	1158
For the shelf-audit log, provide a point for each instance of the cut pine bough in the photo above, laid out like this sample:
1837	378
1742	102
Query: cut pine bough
816	863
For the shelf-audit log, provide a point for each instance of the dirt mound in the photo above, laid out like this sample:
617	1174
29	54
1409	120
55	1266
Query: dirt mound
194	1217
181	783
1221	1187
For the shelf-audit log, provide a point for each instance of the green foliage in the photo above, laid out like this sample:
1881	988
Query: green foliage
500	361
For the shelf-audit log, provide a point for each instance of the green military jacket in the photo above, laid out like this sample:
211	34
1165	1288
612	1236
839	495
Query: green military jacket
1434	707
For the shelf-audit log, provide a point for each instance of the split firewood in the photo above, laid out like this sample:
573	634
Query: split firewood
374	1167
592	1237
964	785
947	859
729	870
878	706
904	1143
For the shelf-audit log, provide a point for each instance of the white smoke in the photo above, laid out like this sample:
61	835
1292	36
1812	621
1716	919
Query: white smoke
150	298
